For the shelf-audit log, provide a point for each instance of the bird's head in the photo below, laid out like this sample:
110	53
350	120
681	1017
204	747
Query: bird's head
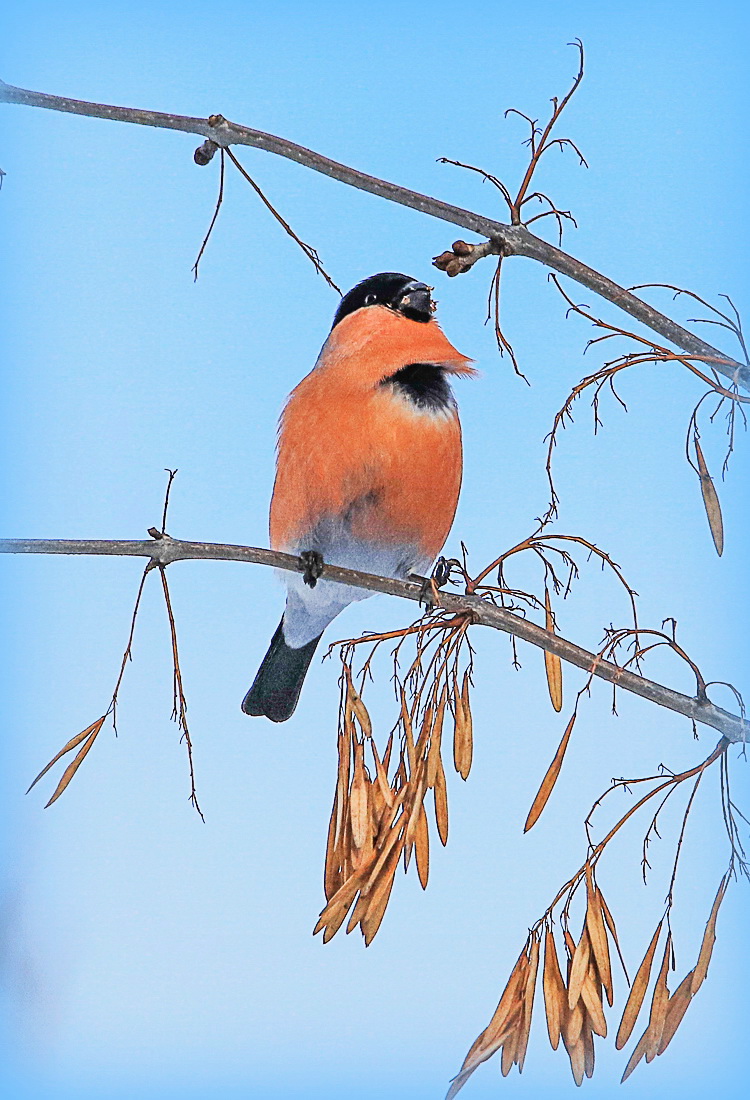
400	293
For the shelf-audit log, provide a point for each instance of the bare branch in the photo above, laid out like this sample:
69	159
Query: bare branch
515	240
165	550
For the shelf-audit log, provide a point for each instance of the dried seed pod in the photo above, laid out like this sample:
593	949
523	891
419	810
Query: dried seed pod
462	732
572	1028
676	1009
597	934
378	804
659	1003
362	715
577	1054
422	847
441	803
710	500
379	896
501	1030
578	968
550	778
555	994
408	734
417	798
436	735
591	996
508	1057
87	736
331	873
510	1004
528	1004
333	914
587	1037
552	663
637	992
424	734
709	939
635	1057
359	803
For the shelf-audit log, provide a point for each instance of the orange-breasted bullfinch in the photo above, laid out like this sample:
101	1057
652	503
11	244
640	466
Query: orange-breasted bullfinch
368	470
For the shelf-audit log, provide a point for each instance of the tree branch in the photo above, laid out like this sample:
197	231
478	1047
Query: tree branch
164	550
511	240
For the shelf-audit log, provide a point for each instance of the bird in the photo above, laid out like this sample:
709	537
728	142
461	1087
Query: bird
368	471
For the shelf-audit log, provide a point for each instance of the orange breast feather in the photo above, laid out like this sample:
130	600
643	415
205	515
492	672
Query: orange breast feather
349	445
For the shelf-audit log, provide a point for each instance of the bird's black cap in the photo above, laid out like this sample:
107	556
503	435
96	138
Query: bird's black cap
398	292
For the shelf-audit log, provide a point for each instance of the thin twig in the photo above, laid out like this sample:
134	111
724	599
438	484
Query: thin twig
219	201
308	250
165	550
179	702
516	240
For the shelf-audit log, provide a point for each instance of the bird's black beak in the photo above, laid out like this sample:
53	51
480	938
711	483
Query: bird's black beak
414	301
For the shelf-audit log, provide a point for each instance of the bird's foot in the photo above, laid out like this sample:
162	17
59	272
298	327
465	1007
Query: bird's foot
313	563
430	595
442	571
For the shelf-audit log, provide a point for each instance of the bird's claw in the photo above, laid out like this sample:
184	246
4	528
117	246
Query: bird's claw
429	595
442	571
313	563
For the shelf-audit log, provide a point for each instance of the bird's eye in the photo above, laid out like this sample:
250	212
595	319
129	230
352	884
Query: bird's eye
371	299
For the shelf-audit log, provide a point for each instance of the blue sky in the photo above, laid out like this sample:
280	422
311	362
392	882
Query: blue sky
147	953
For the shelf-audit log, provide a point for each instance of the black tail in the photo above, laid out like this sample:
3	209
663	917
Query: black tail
279	679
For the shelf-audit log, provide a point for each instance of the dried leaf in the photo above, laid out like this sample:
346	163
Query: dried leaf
659	1003
637	993
552	663
550	778
709	939
678	1004
555	995
710	500
598	935
578	968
